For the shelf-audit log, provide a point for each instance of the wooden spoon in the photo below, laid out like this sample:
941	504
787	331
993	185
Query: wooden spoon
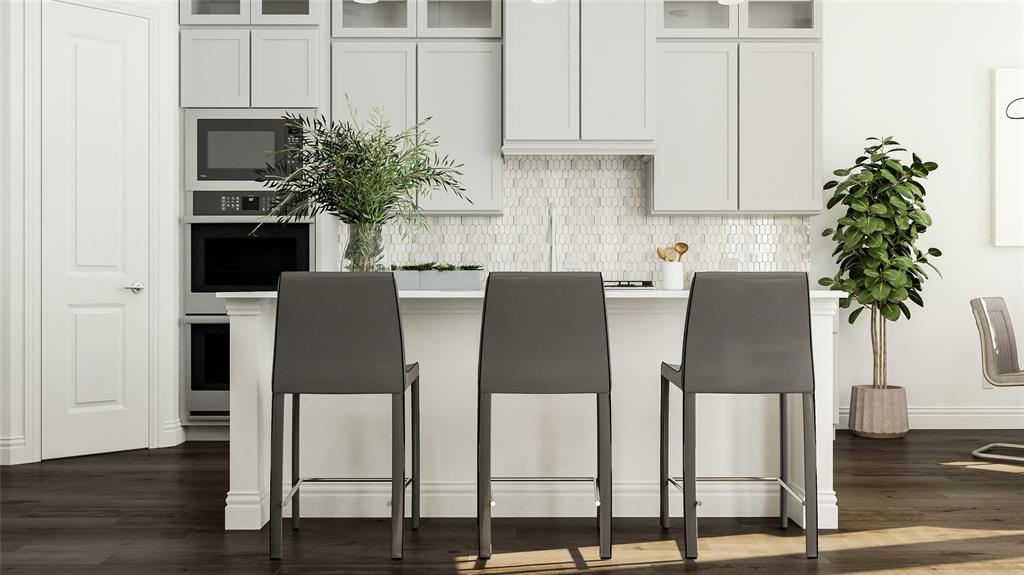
681	248
662	253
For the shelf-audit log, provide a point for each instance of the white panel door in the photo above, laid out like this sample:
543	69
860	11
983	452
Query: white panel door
95	234
286	68
215	68
366	76
617	69
696	165
459	87
542	70
780	127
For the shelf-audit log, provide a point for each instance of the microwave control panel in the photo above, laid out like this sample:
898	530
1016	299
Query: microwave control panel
210	203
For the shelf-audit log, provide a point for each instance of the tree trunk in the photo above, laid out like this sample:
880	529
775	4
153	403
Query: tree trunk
885	353
875	364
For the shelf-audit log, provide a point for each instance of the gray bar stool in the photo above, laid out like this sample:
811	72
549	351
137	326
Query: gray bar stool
999	362
747	333
545	333
341	333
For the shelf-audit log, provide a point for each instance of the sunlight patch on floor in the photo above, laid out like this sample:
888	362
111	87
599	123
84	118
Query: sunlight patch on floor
987	466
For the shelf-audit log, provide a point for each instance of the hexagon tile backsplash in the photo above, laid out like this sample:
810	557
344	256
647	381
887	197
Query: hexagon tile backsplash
601	225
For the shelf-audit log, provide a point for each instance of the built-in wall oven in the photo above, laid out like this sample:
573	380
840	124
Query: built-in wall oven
228	247
225	148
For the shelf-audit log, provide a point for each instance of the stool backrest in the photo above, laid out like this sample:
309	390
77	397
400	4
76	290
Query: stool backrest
998	344
544	333
748	332
338	332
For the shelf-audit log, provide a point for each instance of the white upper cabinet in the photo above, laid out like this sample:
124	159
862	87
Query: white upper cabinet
289	12
697	19
696	166
221	12
214	68
780	127
217	12
580	77
542	70
459	88
366	76
285	68
617	79
382	19
780	19
459	18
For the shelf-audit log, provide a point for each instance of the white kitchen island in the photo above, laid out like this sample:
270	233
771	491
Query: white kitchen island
349	435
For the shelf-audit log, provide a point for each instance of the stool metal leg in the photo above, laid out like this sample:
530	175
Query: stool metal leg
810	478
690	473
604	472
416	454
296	513
276	464
397	473
483	480
663	479
783	462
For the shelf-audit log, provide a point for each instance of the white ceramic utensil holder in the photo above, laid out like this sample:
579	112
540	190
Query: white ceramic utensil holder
673	277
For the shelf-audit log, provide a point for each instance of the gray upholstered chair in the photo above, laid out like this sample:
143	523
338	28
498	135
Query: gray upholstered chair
746	333
545	333
999	363
341	333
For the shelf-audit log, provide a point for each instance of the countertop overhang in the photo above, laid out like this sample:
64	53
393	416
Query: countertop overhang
611	294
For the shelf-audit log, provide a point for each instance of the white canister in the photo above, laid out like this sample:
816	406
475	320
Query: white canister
673	277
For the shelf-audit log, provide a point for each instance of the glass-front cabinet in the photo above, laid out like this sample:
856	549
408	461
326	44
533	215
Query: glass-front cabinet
459	18
698	19
221	12
780	19
749	19
416	18
384	18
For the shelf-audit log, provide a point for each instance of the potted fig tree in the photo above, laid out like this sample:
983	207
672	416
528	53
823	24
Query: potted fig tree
365	175
881	267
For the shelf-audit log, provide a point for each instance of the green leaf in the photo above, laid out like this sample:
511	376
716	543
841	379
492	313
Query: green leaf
934	252
915	297
855	314
870	273
921	217
880	291
841	173
835	200
890	312
931	166
859	205
904	309
894	165
880	209
827	282
830	184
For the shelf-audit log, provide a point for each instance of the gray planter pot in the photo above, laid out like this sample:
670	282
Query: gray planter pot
878	413
406	279
450	281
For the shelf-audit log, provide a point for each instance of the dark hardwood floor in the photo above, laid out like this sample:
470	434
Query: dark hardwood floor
914	505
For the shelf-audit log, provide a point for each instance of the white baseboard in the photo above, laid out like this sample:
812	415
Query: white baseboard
172	433
206	432
718	499
14	451
955	417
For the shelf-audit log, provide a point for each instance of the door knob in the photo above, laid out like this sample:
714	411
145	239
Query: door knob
136	287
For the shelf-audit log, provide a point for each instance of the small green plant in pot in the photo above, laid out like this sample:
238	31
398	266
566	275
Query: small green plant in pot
881	266
362	174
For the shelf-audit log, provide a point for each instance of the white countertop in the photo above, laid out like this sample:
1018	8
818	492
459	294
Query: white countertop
617	294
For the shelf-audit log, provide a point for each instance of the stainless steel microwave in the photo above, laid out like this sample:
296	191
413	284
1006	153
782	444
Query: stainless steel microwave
224	149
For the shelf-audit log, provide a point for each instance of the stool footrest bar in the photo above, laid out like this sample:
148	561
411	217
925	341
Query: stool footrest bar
677	483
295	488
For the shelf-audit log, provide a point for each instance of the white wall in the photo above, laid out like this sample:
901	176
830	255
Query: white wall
921	71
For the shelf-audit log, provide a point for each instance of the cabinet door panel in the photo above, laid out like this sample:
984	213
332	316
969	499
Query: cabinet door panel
459	18
780	127
371	75
285	68
695	167
617	39
214	68
459	88
780	19
542	70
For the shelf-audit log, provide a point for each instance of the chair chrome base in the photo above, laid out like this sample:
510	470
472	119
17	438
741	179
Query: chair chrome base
983	453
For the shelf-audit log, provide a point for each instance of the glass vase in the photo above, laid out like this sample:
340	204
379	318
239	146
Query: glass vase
364	251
